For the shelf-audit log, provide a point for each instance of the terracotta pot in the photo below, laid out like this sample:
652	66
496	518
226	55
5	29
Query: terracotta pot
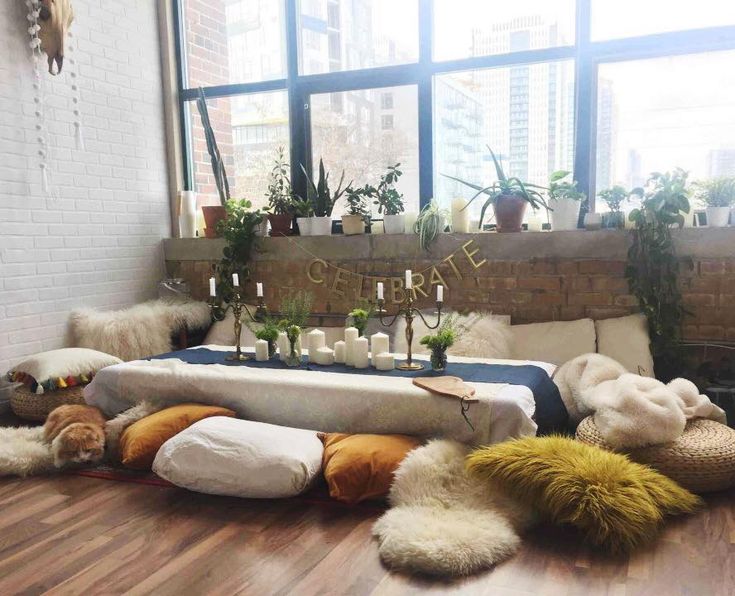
280	224
213	214
352	225
509	212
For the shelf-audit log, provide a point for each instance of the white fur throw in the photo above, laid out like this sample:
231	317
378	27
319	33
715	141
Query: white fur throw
23	452
137	332
444	522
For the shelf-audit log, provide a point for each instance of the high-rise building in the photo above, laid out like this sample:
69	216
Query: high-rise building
721	162
606	135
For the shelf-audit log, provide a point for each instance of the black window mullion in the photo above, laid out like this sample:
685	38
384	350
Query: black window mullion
426	103
181	81
300	134
585	120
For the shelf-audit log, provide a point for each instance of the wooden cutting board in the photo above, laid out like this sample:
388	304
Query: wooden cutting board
448	386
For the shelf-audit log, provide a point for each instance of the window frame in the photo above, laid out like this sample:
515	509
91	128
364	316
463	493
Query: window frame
587	56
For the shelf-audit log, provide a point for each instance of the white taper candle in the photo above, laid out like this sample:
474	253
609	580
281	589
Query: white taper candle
259	289
235	279
380	290
409	279
440	293
212	287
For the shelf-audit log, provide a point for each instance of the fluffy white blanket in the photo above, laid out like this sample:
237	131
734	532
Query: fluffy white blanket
23	452
444	522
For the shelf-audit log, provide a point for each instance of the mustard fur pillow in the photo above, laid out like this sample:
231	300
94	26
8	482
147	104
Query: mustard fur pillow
617	504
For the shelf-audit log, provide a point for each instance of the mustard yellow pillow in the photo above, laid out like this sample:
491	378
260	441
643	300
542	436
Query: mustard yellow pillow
360	467
141	441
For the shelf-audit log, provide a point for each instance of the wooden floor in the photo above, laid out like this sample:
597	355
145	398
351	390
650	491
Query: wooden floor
77	535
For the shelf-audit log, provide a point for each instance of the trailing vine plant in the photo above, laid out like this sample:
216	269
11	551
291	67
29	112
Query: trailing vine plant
653	268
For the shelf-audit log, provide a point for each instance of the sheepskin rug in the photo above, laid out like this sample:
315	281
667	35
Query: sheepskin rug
444	522
137	332
23	452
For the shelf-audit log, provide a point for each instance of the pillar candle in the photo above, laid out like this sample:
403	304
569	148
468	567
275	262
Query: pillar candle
283	345
410	217
385	361
351	335
360	352
460	216
379	343
261	350
339	352
314	340
323	356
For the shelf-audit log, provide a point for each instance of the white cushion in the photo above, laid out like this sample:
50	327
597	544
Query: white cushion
555	342
626	340
241	458
50	366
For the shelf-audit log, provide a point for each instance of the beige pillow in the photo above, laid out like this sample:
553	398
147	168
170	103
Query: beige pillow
626	340
555	341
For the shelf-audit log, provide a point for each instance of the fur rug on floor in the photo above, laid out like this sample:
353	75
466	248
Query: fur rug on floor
23	452
442	521
137	332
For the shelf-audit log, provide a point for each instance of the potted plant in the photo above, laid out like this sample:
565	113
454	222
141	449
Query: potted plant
389	201
509	195
358	211
295	311
446	335
269	332
322	200
358	317
565	201
213	214
280	197
430	223
613	198
303	211
718	196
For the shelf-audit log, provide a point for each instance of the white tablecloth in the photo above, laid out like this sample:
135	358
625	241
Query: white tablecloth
325	401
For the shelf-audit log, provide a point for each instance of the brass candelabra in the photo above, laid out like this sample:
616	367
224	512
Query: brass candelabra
409	311
237	306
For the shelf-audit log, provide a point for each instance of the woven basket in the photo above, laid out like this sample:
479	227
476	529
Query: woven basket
702	459
31	406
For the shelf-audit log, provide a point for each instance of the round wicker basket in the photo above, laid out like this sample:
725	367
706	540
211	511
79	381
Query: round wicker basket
701	460
31	406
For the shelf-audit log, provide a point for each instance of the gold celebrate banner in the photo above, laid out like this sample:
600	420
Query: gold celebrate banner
342	282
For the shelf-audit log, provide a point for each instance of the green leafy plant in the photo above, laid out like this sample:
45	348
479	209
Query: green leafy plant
280	194
238	230
319	194
504	186
359	316
652	269
717	192
357	203
446	335
296	309
562	186
215	158
431	222
302	207
614	197
268	331
387	198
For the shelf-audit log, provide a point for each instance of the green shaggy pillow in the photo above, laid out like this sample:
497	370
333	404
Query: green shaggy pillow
616	503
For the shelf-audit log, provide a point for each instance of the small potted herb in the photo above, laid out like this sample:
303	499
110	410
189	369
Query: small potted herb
280	197
358	211
718	196
303	211
565	201
269	332
322	200
613	198
390	201
359	316
448	333
431	222
295	311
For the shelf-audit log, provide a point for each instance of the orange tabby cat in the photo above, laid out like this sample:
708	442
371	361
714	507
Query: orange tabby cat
76	434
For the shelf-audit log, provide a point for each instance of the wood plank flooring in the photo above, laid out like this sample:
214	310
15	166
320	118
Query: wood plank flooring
77	535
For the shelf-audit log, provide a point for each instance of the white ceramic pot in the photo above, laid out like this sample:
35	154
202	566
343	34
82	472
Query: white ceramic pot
565	214
352	225
321	226
394	224
718	217
304	224
262	228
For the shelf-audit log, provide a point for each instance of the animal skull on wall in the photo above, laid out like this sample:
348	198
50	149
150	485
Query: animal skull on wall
55	18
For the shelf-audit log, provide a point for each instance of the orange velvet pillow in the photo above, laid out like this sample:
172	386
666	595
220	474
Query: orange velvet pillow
141	441
359	467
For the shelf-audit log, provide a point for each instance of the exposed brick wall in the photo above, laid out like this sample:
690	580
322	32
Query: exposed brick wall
98	244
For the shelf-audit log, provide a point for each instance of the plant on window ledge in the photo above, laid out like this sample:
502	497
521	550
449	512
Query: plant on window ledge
322	199
718	196
358	211
280	196
653	268
509	195
431	222
613	198
389	200
565	201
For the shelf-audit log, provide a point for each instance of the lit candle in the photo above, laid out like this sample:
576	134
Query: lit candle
351	335
314	340
440	293
235	279
380	290
261	350
360	352
385	361
339	352
409	280
259	289
324	356
379	343
212	287
283	345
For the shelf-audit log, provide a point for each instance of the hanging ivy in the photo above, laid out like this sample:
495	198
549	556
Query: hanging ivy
653	268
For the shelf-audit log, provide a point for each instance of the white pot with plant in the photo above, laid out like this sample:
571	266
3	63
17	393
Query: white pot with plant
303	211
322	200
718	196
565	201
358	211
390	201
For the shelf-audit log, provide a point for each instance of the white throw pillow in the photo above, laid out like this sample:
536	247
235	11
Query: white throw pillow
47	371
241	458
626	340
555	341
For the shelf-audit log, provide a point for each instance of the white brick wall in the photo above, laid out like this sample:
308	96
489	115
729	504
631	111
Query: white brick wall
99	243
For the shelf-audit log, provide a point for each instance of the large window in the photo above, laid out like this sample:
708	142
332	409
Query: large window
610	90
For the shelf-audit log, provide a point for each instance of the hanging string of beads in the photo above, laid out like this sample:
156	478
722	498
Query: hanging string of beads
76	97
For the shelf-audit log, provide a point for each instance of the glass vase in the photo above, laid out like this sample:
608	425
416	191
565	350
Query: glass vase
438	360
272	349
294	353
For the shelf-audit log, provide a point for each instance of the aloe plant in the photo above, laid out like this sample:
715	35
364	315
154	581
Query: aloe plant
319	194
504	186
218	165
